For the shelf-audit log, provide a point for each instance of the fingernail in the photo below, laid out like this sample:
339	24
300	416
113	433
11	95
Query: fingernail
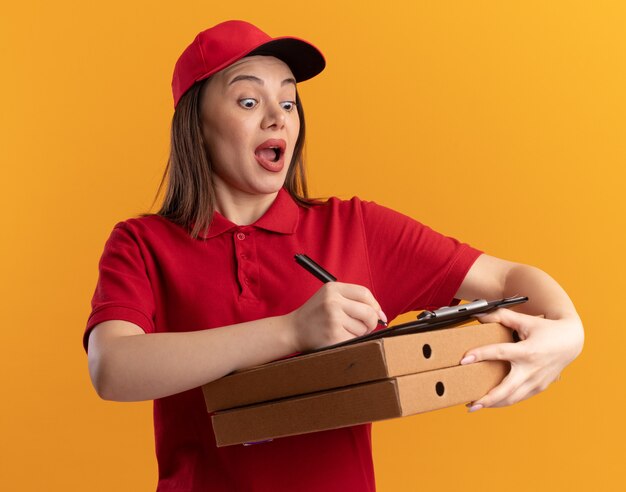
468	360
475	408
382	315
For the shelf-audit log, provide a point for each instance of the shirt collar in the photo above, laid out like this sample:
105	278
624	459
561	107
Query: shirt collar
281	217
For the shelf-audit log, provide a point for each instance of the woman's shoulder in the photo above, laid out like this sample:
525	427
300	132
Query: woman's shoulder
354	204
336	203
370	213
149	226
357	211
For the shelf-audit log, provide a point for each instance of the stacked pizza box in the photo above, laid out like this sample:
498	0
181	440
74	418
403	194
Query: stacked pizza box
355	384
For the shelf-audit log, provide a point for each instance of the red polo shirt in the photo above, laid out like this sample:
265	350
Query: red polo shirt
154	275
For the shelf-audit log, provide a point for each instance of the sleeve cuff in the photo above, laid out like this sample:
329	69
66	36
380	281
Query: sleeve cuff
444	294
124	313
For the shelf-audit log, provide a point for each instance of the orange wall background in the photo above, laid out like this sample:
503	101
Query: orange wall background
518	108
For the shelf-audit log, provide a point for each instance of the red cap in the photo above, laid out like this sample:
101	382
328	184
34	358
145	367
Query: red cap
223	44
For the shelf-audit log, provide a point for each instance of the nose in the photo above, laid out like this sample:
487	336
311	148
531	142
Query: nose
274	117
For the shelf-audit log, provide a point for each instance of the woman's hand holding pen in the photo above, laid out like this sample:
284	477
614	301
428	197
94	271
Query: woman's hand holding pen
546	347
335	313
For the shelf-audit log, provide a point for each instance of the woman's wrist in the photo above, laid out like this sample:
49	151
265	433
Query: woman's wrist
288	334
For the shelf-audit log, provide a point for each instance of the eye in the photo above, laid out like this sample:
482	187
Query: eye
248	102
288	105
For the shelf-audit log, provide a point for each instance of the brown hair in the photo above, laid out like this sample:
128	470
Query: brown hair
190	196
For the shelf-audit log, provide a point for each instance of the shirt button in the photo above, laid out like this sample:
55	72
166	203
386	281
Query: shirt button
244	257
246	281
241	236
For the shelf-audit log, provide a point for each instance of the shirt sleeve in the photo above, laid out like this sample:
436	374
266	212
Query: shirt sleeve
123	291
412	266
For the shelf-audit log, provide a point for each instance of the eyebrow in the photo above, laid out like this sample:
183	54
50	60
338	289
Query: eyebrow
259	81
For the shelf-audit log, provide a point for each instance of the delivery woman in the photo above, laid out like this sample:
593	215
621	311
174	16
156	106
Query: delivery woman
208	285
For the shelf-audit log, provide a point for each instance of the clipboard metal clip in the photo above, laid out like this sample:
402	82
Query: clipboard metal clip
447	312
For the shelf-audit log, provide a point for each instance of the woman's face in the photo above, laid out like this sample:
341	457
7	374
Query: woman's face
250	125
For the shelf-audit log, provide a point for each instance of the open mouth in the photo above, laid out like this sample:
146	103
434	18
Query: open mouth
270	153
271	150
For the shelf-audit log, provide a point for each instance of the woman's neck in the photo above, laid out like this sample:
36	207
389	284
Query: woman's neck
243	208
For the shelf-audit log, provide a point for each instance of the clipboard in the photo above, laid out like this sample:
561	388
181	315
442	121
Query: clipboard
444	317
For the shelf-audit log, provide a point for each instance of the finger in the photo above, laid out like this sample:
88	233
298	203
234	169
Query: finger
496	351
525	391
361	294
529	388
355	327
511	319
363	313
507	387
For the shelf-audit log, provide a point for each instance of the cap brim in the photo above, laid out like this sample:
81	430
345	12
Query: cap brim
304	59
